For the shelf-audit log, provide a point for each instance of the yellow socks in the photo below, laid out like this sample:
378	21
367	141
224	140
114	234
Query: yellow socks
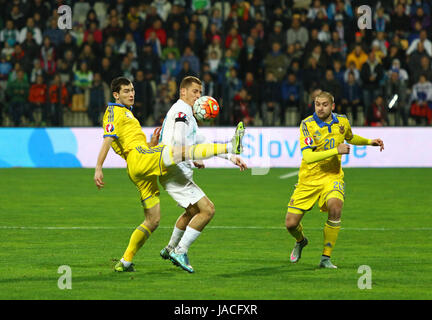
138	237
297	232
205	151
331	231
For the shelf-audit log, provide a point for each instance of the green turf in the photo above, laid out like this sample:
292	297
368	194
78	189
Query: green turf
385	225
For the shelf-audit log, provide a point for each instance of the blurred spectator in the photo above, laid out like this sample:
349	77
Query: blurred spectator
209	85
9	34
351	96
97	100
161	105
170	47
421	100
414	61
277	35
149	63
399	20
427	44
30	27
54	33
88	56
5	68
377	116
330	84
233	34
276	62
241	108
82	81
30	47
67	44
312	75
189	56
421	17
144	97
401	72
170	67
17	16
17	91
113	29
38	95
371	75
396	85
159	31
80	10
291	92
324	35
95	32
128	45
271	99
254	93
381	20
19	56
249	58
358	56
163	8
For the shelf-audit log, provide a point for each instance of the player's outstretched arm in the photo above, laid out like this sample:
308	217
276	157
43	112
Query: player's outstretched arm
377	143
98	176
154	141
310	156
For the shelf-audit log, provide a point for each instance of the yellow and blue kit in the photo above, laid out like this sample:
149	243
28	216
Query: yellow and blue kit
144	163
321	175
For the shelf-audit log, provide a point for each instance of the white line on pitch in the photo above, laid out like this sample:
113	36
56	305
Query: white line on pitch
208	227
289	175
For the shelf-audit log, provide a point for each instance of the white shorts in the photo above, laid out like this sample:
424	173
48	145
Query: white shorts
181	188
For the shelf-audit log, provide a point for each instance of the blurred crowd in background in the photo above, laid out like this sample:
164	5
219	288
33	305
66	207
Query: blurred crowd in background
262	60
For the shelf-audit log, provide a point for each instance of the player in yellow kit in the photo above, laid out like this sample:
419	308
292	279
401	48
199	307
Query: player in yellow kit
322	138
146	161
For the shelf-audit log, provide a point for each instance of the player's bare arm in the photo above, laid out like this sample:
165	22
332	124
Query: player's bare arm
98	176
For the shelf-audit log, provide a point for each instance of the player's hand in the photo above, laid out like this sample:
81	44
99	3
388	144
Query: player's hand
155	137
98	178
378	143
343	148
199	164
239	162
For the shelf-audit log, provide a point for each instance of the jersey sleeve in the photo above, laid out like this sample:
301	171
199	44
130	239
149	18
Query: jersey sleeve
306	139
181	117
111	123
348	131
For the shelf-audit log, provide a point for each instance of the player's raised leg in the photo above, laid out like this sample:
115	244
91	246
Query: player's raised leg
295	228
331	230
172	155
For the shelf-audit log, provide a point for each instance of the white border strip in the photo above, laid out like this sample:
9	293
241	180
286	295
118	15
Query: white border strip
208	227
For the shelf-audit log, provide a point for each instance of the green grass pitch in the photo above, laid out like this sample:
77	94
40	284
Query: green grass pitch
55	217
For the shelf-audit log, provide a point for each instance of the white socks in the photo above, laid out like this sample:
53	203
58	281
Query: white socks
188	238
175	237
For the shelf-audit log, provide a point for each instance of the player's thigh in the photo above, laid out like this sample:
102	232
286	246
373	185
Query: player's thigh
205	205
303	198
144	162
332	195
149	191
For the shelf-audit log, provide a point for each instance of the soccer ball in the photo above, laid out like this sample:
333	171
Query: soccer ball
206	108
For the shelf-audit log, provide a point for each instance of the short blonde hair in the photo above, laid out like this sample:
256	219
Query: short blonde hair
327	95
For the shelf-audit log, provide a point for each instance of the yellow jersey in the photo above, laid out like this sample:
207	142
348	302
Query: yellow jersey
320	136
120	123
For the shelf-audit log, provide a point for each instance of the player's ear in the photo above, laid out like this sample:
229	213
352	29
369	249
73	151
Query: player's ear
333	106
116	95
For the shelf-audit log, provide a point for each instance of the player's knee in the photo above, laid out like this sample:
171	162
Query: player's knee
291	222
209	211
335	213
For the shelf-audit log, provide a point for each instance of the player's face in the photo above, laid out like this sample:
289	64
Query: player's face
323	108
192	93
126	96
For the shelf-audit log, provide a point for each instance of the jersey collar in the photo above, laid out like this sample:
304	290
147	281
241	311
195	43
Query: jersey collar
119	105
321	123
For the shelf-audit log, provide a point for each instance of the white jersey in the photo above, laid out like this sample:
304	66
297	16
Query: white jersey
178	182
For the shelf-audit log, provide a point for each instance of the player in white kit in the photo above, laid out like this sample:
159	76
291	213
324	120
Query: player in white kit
180	128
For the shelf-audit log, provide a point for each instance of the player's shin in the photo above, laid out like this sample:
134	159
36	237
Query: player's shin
138	238
174	154
297	232
331	231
